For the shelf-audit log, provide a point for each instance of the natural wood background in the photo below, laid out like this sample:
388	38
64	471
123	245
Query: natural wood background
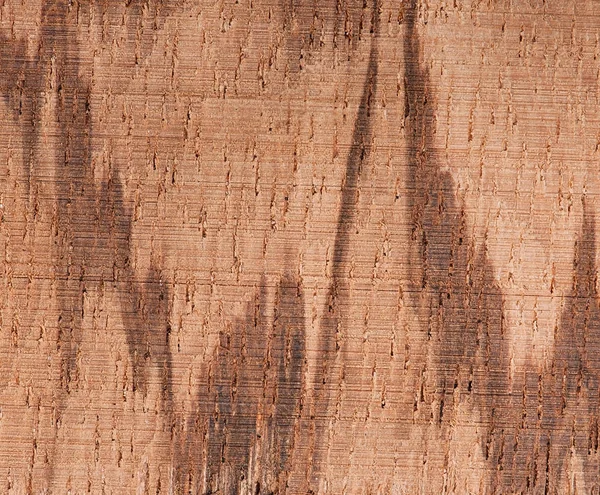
299	246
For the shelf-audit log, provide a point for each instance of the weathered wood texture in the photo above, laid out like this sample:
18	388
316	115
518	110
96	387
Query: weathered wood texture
340	247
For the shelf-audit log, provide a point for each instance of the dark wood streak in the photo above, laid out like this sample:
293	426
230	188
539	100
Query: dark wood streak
307	23
238	374
330	346
538	420
550	417
460	304
576	367
251	404
16	75
92	225
229	403
577	356
556	418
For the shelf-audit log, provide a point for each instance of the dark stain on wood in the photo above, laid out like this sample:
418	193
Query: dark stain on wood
238	383
92	225
232	384
576	366
329	342
550	427
540	420
253	398
288	356
308	24
250	408
460	303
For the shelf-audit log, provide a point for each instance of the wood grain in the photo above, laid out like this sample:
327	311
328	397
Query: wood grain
299	247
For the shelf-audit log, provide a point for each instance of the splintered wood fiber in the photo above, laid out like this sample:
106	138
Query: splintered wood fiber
299	247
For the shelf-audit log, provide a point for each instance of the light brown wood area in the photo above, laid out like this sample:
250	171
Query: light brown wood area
299	247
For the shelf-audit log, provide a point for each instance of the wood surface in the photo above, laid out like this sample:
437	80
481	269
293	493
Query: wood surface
299	246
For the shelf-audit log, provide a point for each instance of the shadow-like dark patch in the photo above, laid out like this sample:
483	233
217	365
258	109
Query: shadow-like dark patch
254	354
13	63
253	397
329	344
549	431
309	25
17	78
142	19
465	307
460	303
238	385
541	423
571	404
288	355
92	228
